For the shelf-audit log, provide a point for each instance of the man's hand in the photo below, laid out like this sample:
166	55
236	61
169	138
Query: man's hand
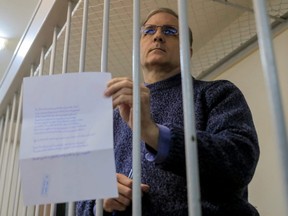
121	90
125	194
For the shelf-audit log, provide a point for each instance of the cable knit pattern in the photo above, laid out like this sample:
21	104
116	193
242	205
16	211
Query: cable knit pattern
227	151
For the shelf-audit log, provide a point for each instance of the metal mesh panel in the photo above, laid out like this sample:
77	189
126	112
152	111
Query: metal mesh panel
219	27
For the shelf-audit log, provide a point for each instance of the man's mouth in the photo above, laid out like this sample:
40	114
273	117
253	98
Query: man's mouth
157	48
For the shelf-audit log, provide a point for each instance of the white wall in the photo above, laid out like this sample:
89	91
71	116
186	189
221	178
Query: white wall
266	189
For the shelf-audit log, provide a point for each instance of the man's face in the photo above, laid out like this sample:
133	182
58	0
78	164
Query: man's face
160	50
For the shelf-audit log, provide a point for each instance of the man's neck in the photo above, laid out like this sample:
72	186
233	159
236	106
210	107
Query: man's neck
152	76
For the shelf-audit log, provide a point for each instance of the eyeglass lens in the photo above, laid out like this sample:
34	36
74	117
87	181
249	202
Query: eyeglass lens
165	29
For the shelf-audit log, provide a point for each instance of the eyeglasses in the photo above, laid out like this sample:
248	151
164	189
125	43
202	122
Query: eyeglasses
165	29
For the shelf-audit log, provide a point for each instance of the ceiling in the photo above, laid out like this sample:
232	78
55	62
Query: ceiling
14	18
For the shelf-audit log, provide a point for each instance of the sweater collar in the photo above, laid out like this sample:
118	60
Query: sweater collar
167	83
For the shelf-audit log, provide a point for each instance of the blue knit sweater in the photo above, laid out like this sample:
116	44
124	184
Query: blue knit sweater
227	149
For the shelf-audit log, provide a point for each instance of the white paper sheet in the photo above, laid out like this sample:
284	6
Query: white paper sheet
66	149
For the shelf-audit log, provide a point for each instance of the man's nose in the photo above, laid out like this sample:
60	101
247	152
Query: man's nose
159	36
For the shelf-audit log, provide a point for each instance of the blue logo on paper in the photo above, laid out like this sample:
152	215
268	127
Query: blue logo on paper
45	185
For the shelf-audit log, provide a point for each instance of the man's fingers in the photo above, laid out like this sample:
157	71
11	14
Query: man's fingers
123	96
125	194
125	191
124	201
117	80
111	205
145	188
124	180
117	84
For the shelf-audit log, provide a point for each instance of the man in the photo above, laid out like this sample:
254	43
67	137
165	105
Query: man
227	141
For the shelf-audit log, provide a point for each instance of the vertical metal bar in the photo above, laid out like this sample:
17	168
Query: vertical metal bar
1	129
53	52
84	36
19	207
67	38
36	208
33	73
4	152
51	71
9	164
71	205
45	207
104	68
3	180
3	132
12	197
191	154
3	141
13	152
41	67
17	196
24	211
270	73
15	162
105	36
136	153
52	210
41	64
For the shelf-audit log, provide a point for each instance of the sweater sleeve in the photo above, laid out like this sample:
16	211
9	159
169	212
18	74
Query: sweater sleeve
227	143
85	208
163	149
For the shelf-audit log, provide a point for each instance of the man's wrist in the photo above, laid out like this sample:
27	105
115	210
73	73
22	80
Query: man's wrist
150	136
163	146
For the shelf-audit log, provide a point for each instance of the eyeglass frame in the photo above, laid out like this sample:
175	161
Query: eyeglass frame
155	28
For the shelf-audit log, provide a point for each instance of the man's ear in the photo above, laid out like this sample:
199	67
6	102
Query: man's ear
191	52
